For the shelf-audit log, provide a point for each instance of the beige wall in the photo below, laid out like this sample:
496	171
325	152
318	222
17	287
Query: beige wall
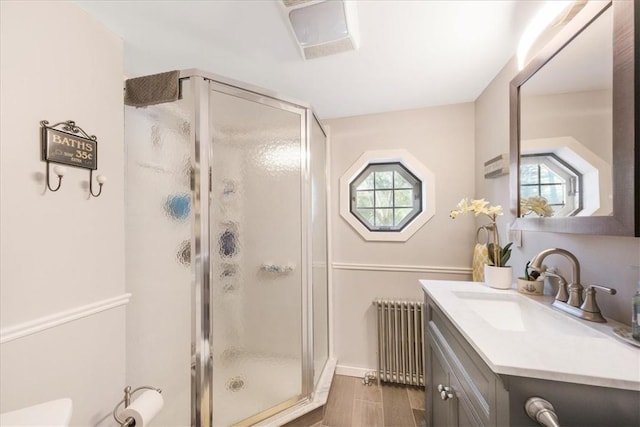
585	116
605	260
442	139
61	253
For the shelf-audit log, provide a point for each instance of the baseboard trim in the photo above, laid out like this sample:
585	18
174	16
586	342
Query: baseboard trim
353	371
47	322
466	271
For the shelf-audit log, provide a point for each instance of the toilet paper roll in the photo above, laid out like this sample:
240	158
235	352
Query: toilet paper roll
144	408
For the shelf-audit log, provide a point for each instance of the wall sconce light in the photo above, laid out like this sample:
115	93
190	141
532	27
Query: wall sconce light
72	146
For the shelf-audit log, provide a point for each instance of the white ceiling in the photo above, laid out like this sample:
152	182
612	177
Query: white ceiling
412	53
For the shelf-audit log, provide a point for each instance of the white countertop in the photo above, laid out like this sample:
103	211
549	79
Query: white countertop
594	358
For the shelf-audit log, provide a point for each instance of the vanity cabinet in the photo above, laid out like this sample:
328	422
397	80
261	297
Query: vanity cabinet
461	390
477	396
448	404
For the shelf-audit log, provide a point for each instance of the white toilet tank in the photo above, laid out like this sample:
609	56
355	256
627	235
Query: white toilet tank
55	413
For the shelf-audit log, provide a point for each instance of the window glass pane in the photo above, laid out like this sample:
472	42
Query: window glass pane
384	217
364	199
367	184
402	214
403	198
367	214
528	191
547	176
384	179
553	193
400	182
529	174
384	198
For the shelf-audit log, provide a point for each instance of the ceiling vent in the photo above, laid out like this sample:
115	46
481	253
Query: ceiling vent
322	27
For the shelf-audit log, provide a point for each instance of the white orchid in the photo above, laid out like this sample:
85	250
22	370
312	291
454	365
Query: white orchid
498	255
478	207
536	204
494	210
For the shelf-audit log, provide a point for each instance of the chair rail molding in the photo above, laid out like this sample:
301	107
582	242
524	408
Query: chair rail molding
403	268
40	324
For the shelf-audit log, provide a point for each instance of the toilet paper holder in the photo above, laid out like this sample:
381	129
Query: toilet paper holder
129	422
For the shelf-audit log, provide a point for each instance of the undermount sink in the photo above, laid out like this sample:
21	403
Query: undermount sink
513	312
523	336
55	413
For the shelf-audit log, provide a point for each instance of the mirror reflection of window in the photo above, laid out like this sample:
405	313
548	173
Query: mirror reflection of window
552	179
571	97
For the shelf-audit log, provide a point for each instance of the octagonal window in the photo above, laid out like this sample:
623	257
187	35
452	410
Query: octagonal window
385	197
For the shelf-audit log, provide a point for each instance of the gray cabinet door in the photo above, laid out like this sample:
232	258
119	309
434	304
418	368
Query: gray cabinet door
462	410
441	412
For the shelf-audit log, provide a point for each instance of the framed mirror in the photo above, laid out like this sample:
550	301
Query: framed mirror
574	149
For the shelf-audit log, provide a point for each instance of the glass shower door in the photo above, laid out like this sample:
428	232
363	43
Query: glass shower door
257	268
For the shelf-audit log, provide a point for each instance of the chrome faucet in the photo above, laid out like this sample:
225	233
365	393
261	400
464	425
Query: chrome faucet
572	301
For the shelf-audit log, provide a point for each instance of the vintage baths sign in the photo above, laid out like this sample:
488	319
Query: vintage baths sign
69	149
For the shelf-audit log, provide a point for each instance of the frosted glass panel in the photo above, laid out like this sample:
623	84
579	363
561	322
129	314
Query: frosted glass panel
256	261
319	249
158	253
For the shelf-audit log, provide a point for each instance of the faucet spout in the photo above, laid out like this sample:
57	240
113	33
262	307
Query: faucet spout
536	262
572	303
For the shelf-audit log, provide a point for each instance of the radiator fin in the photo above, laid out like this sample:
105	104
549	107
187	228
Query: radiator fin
400	342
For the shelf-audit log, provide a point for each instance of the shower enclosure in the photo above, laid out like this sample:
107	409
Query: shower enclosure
226	252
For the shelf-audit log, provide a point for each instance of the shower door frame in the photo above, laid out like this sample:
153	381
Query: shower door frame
201	151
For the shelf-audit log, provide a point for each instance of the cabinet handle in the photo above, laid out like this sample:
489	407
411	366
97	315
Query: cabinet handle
445	392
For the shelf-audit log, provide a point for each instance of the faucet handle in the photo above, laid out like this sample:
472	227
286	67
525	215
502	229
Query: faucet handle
610	291
562	294
590	305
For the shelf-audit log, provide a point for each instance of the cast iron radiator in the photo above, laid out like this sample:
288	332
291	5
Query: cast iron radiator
400	341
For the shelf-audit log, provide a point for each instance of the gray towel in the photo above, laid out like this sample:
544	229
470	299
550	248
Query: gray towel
153	89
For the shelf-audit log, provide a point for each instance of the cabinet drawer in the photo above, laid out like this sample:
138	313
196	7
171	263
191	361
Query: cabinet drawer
476	378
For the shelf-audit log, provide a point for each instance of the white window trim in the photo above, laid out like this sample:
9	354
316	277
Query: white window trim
389	156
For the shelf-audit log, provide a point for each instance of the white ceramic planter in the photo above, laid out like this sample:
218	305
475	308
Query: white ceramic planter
498	277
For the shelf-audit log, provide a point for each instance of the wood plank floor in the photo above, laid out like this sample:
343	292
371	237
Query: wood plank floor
353	404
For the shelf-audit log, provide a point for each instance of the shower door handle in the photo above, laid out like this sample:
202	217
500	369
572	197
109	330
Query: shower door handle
278	269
